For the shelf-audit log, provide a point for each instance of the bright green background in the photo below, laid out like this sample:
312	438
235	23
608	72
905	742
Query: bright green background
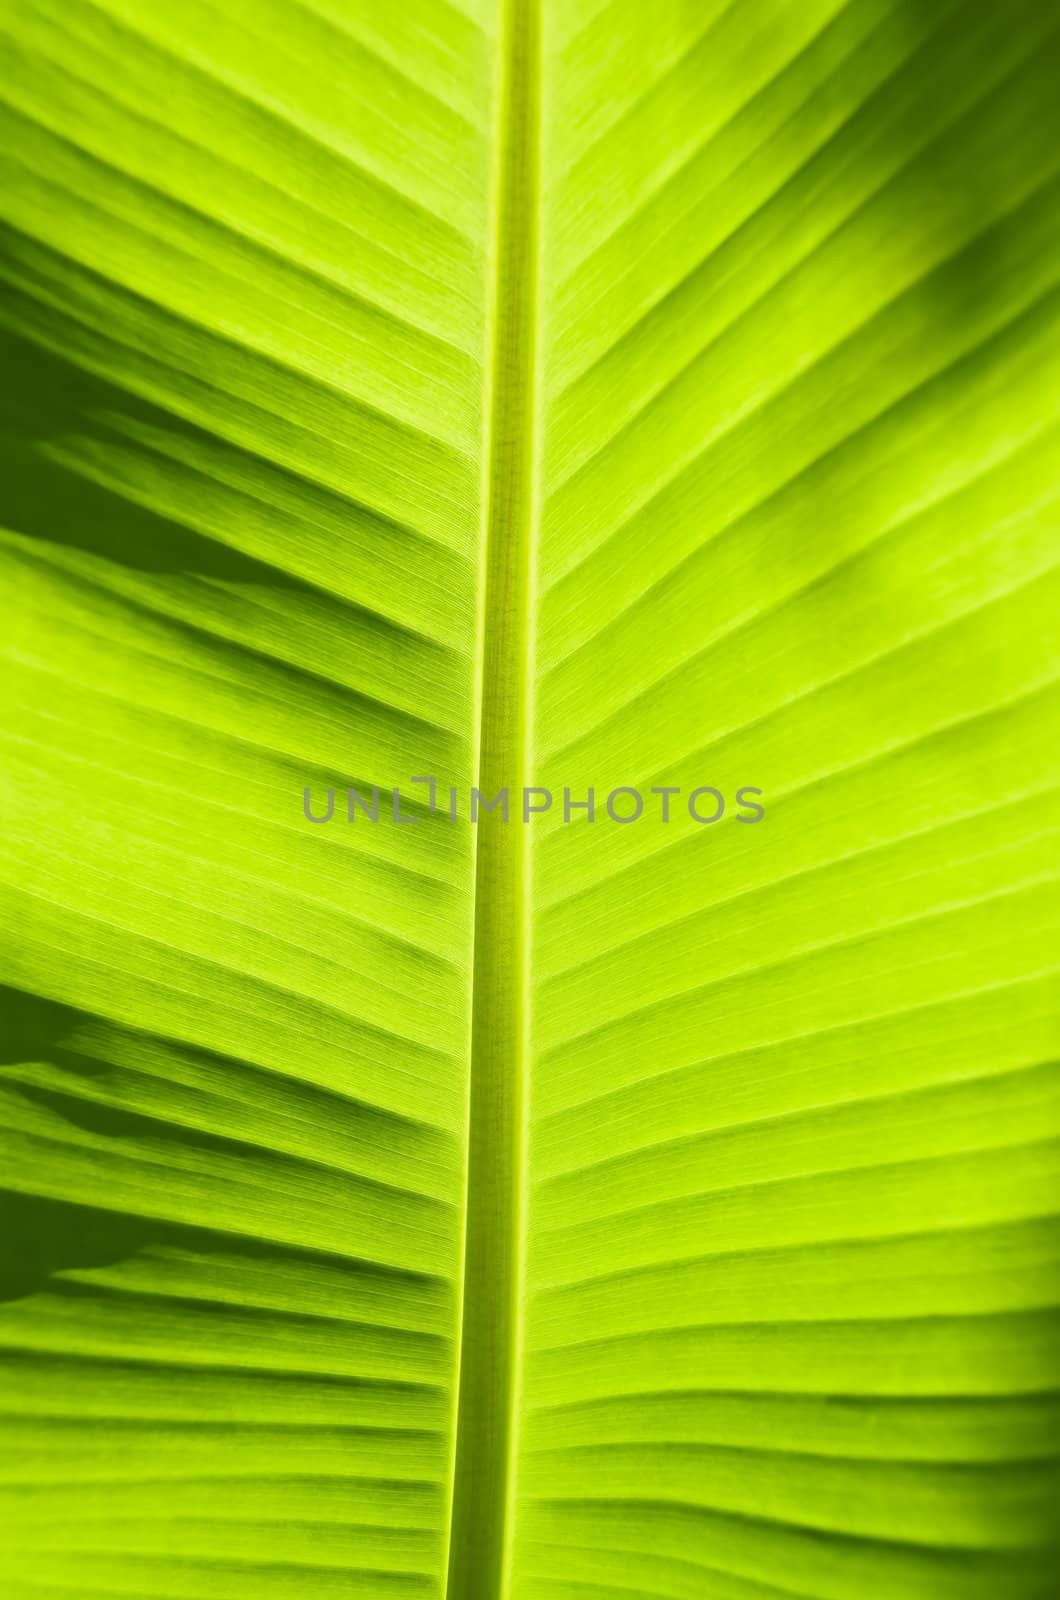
790	1173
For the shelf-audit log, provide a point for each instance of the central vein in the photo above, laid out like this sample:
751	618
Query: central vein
489	1363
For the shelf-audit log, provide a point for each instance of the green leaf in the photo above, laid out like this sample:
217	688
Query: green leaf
557	393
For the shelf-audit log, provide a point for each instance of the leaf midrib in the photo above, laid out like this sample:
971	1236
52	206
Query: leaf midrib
492	1272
